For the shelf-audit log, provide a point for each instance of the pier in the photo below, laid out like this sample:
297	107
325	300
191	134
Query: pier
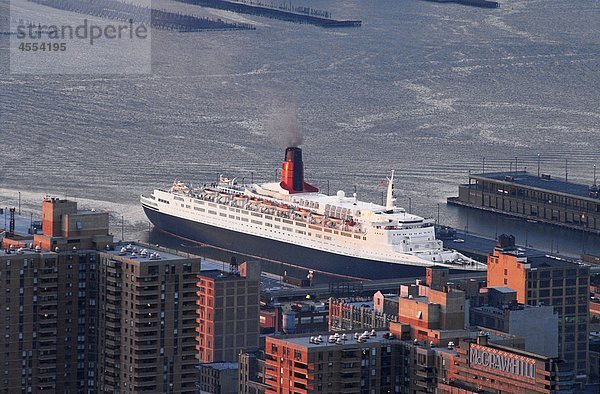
297	15
472	3
125	12
541	198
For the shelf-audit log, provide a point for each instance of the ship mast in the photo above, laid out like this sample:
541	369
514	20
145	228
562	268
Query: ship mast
389	204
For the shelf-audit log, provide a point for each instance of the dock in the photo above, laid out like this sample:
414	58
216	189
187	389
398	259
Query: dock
300	15
131	13
541	198
472	3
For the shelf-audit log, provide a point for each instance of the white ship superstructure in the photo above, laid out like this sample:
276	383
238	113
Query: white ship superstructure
293	212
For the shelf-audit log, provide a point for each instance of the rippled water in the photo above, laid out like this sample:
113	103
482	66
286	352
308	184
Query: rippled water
426	89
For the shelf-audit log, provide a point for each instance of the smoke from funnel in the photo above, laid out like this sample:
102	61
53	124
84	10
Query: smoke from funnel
285	127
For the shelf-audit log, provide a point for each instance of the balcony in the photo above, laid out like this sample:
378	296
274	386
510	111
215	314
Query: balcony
425	374
145	372
148	327
145	345
112	324
113	296
47	355
147	289
355	388
152	298
145	354
112	353
144	381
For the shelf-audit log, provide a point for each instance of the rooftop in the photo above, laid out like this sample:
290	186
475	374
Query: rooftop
145	253
219	274
526	179
357	302
543	261
16	252
502	289
305	341
220	366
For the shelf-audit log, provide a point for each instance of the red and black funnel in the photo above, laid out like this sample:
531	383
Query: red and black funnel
292	172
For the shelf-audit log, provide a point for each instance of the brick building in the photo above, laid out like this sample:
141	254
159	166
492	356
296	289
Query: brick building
227	313
337	364
479	366
64	227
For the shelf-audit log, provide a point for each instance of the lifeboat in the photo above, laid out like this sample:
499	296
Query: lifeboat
336	220
350	223
283	208
210	191
302	211
239	197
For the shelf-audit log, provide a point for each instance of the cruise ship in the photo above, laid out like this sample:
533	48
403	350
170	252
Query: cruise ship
291	222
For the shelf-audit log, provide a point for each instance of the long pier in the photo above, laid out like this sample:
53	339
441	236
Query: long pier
303	16
158	19
472	3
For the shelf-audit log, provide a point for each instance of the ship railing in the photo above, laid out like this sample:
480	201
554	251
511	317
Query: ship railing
256	207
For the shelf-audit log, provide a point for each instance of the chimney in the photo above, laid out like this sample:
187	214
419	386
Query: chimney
482	339
292	172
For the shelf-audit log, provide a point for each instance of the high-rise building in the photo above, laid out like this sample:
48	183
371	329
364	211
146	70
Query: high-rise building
227	313
49	304
549	281
49	319
147	321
